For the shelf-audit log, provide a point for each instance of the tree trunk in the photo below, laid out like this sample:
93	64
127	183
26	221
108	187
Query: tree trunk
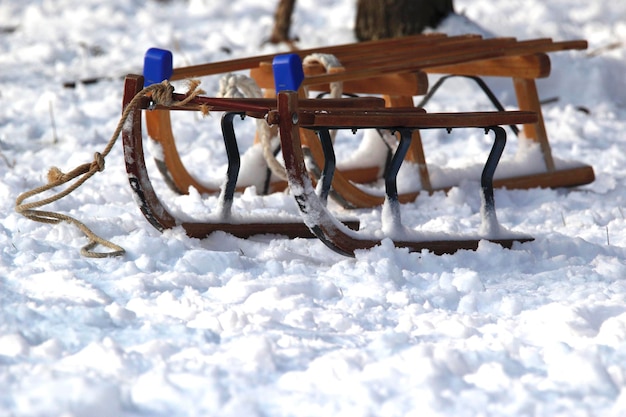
282	21
379	19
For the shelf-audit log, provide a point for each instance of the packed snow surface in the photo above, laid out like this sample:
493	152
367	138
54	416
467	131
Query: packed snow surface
276	327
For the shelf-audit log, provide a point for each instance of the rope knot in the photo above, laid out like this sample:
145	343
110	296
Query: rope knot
55	175
162	93
98	162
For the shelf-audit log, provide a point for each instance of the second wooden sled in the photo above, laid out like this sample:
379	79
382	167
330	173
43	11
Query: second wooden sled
393	68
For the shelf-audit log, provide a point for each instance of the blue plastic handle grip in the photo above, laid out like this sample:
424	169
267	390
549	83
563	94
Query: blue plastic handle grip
157	66
288	73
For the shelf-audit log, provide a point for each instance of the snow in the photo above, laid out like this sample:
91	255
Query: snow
275	327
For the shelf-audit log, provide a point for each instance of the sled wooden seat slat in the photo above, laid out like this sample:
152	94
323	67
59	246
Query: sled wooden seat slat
379	63
473	56
392	118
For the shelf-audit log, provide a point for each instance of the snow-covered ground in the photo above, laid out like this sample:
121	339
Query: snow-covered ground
273	327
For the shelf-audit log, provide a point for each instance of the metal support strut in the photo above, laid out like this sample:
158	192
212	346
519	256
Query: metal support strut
234	163
486	178
480	82
326	178
391	173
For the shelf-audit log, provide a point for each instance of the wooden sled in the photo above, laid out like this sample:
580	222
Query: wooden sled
396	68
291	113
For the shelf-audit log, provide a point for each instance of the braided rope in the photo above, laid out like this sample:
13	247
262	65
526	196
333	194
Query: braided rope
162	95
329	62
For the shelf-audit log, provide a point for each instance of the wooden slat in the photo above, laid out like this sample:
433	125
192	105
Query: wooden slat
460	53
525	66
393	56
396	118
292	230
563	177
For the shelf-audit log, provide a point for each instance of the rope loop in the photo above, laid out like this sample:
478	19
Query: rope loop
161	94
238	86
330	63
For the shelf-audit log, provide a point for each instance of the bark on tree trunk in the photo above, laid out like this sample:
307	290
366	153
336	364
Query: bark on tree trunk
379	19
282	21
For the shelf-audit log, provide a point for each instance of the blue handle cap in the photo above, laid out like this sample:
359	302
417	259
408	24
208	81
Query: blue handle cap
288	73
157	66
